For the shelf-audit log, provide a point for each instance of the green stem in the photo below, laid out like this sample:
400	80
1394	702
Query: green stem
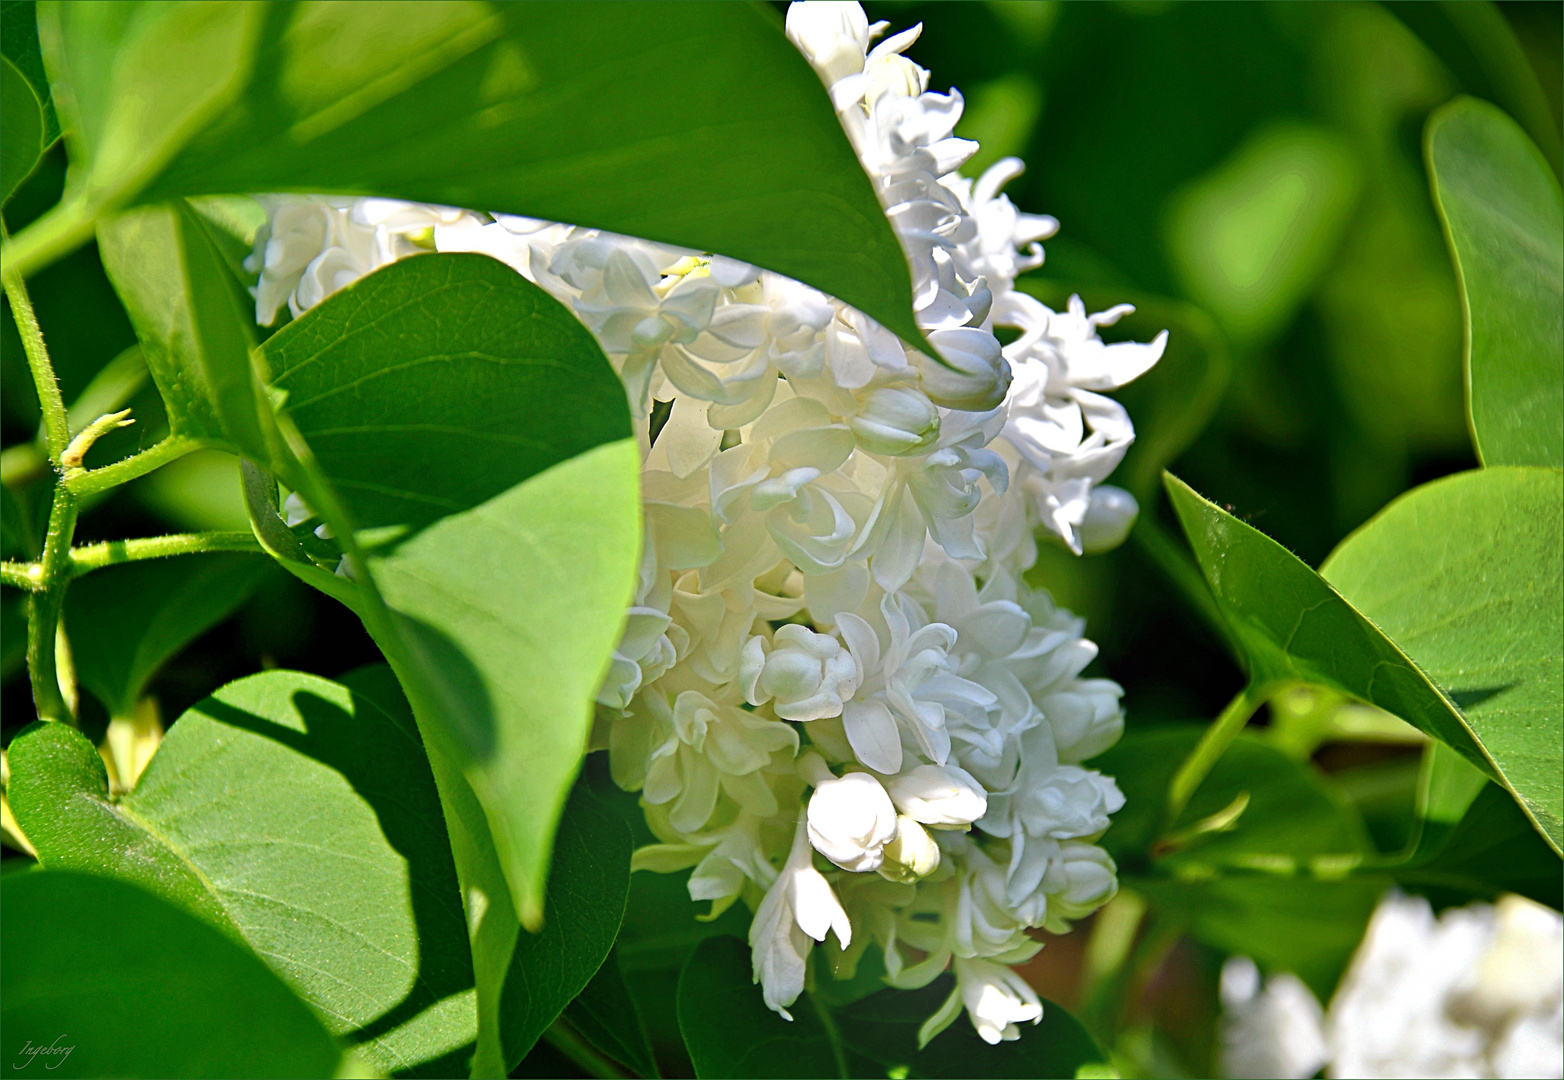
562	1037
92	481
56	429
90	557
45	605
1212	745
61	231
20	575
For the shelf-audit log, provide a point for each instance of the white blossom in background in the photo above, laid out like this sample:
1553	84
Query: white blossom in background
1477	991
838	697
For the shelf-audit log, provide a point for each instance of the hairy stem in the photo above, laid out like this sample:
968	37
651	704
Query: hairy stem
56	429
91	557
1212	745
562	1037
44	606
20	575
92	481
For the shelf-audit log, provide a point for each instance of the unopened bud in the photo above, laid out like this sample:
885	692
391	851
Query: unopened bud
895	420
974	375
1109	519
912	856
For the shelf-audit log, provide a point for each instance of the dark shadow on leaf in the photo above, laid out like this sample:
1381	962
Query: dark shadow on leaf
1470	699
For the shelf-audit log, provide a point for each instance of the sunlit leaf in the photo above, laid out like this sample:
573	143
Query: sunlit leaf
1504	218
1464	574
301	817
137	986
1292	626
537	109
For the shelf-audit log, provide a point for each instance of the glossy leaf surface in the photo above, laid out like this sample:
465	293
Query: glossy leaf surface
1465	574
136	986
302	818
536	109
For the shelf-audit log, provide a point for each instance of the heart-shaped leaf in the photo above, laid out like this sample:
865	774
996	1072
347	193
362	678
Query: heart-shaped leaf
103	978
1503	214
301	817
538	109
1292	626
1464	574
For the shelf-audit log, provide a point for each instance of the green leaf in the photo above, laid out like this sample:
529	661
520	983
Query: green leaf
136	986
193	321
301	817
19	44
1503	215
136	81
539	109
1465	575
1257	862
450	385
588	883
420	388
1292	626
729	1031
883	1030
605	1015
24	127
125	621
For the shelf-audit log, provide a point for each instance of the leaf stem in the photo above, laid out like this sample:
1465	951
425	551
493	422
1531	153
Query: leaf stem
562	1037
56	428
59	232
92	481
45	605
90	557
1212	745
20	575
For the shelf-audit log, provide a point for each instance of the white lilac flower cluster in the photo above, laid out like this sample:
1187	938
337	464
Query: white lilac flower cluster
1476	991
838	698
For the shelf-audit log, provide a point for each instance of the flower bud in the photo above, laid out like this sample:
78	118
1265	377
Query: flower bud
1080	880
832	36
997	999
942	796
851	819
974	375
895	420
912	856
1109	519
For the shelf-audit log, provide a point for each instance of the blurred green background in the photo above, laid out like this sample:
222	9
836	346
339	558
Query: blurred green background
1250	175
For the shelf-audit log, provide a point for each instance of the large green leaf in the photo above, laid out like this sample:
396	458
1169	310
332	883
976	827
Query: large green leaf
540	109
1258	861
729	1031
192	320
1503	214
449	384
136	986
1465	575
125	621
440	382
1292	626
24	126
301	817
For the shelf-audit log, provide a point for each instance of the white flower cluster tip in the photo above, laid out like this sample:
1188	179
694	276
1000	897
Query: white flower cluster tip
839	699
